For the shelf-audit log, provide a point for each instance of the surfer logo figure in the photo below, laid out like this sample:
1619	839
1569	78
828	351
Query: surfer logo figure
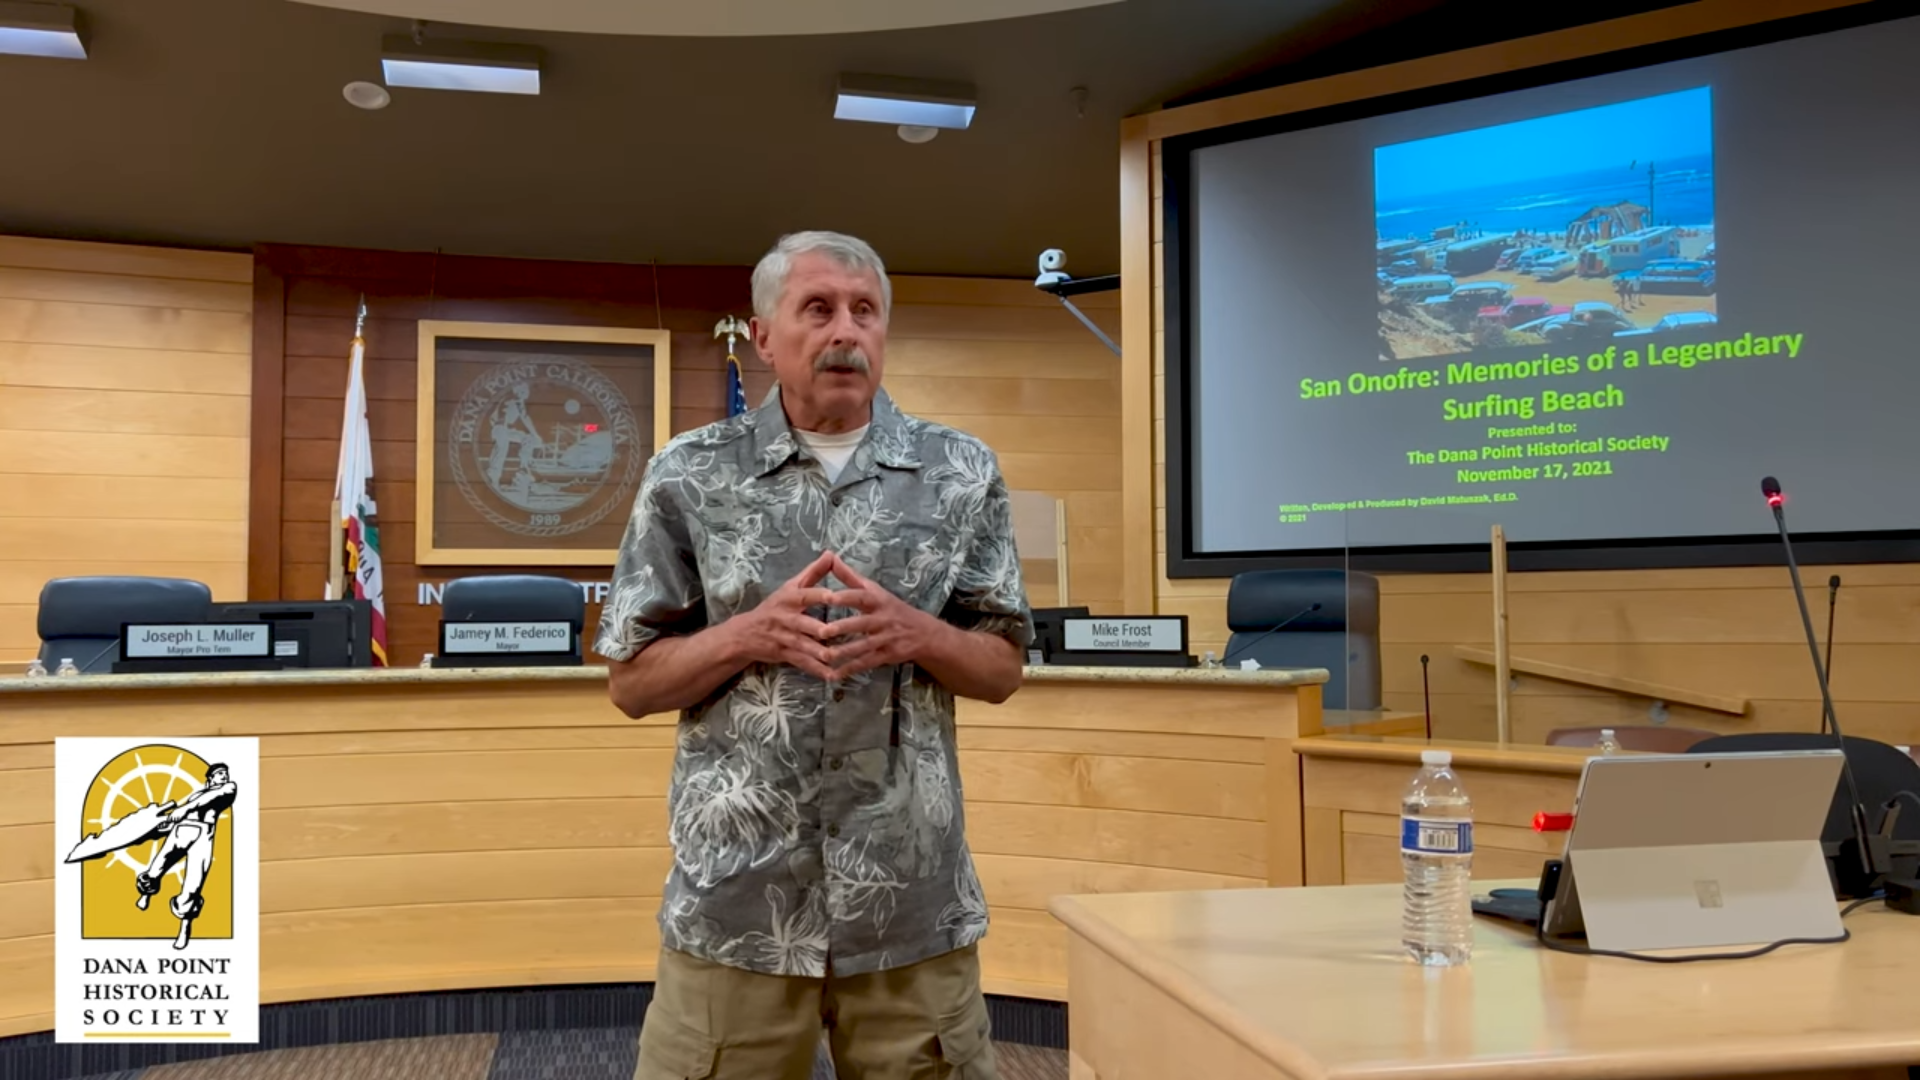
186	831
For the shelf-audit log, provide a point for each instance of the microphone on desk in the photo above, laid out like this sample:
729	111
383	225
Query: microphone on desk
1426	695
1833	595
1872	854
1308	610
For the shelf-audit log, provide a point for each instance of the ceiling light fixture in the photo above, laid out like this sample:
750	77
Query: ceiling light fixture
483	67
41	30
884	99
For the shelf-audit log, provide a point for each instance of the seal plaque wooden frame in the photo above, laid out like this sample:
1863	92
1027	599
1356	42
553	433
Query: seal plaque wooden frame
532	440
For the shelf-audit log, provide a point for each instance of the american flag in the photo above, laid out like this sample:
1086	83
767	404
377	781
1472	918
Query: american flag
730	328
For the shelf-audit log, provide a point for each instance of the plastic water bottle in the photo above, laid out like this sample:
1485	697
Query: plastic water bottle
36	669
1608	745
1436	855
426	661
66	667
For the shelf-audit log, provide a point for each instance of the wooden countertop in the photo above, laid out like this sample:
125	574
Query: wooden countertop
1312	980
1483	755
1142	676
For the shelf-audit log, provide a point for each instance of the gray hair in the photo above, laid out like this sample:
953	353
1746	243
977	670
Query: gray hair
770	276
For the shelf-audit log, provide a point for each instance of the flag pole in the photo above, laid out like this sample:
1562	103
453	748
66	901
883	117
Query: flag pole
336	524
336	554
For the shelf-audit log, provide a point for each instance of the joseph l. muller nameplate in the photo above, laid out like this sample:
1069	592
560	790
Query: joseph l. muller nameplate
168	641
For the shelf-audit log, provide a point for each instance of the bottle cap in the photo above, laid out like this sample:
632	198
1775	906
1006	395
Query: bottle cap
1606	733
1436	757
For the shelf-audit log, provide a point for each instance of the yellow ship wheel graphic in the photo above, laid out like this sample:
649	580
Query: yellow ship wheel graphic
118	803
157	810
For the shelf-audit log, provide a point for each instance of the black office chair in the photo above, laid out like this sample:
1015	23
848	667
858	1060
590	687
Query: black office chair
1343	636
80	617
1881	770
514	598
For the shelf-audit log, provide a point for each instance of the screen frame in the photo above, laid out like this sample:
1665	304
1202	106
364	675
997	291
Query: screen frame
1183	560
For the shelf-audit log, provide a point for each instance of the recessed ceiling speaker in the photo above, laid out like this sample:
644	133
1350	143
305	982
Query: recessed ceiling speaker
366	95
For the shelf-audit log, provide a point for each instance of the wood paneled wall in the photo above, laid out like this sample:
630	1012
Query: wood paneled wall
124	384
1733	632
995	358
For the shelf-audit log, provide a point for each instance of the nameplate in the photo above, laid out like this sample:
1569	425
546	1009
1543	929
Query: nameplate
493	638
181	641
1133	634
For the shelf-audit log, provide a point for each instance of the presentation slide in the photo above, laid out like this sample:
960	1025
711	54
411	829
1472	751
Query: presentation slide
1594	310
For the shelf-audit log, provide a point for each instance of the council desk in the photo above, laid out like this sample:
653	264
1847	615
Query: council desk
426	830
1311	984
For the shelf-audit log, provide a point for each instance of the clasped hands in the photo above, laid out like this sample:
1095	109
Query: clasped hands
883	630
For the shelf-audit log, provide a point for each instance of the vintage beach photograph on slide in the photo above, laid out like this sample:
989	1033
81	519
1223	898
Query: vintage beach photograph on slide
1595	224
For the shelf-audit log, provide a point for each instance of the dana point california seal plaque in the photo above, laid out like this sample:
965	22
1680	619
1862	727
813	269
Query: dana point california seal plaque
534	440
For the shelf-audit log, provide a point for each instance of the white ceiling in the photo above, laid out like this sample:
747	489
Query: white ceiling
710	18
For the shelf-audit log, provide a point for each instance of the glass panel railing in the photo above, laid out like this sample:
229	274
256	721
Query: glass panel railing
1039	529
1429	644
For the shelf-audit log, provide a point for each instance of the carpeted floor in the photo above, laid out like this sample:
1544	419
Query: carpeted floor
581	1054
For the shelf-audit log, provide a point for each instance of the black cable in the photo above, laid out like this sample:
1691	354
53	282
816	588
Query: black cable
1833	595
1582	950
1897	796
1860	903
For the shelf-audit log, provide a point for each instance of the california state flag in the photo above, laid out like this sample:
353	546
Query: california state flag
353	494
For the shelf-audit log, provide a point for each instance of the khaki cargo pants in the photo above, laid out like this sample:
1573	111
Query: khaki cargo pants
712	1022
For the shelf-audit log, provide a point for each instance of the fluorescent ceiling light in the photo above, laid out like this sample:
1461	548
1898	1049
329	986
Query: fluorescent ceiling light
41	30
883	99
461	65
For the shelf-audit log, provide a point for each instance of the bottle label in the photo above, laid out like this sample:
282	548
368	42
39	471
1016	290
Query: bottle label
1430	836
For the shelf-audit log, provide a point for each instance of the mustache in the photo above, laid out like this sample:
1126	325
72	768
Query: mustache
853	359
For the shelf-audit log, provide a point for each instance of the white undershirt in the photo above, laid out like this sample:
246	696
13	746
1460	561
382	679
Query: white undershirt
834	451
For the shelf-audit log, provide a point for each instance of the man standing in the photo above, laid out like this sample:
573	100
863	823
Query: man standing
810	585
189	838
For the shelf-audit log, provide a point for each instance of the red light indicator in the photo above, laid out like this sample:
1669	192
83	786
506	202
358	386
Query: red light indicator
589	428
1776	500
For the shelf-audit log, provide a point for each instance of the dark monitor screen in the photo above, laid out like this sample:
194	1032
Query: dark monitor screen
1047	623
311	633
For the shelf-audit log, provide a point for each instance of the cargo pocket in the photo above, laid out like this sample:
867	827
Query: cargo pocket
670	1050
966	1046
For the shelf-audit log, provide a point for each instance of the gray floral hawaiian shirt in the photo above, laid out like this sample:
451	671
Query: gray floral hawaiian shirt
816	824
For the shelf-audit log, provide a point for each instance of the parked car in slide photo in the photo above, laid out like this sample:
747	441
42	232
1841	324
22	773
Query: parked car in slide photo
1679	320
1678	276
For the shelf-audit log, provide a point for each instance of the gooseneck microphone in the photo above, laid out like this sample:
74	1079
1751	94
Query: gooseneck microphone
1245	645
1426	695
1873	866
1833	596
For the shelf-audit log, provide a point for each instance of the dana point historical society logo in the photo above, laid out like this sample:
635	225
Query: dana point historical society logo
545	446
156	928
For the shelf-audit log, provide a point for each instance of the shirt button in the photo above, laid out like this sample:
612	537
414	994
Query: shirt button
833	830
833	763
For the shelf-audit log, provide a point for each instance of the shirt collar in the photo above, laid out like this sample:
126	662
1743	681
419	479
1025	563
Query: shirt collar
890	436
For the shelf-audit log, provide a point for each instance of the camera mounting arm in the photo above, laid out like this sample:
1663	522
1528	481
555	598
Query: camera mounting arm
1054	281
